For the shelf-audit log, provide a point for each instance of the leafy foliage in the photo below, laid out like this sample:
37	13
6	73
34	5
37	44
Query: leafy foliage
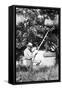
31	27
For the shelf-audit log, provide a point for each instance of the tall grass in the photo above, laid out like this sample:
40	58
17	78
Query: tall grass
41	74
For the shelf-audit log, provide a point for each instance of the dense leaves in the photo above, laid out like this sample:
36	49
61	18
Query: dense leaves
32	25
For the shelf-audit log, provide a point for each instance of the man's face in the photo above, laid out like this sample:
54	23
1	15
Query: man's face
29	47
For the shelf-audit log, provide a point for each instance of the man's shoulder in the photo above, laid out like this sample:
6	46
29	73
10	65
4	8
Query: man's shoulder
26	50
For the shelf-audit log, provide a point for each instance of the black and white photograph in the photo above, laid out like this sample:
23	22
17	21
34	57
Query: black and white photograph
37	44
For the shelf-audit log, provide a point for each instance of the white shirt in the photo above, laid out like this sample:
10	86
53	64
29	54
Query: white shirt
27	54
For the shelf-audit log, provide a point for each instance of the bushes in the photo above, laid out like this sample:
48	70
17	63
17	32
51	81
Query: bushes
32	26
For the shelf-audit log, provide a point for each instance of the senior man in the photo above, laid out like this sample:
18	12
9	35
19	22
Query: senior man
28	55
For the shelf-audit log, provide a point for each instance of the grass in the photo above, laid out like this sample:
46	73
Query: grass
42	74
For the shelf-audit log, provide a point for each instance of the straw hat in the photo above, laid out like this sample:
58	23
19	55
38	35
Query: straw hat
29	44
